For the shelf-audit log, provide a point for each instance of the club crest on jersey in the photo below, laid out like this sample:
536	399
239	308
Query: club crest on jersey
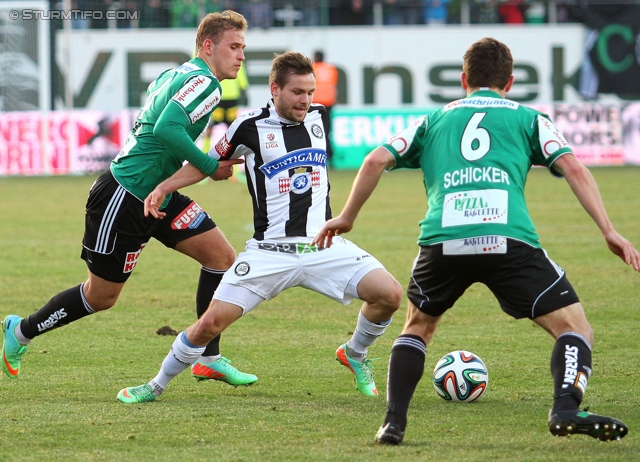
300	182
242	268
316	131
189	218
308	157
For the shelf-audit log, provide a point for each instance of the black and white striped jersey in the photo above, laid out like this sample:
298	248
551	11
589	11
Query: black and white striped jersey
286	167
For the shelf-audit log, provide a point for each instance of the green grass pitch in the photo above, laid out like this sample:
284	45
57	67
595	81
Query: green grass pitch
305	405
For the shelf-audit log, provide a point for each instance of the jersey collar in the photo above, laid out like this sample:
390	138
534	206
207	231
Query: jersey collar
201	64
487	93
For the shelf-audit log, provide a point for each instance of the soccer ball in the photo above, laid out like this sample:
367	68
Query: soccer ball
460	376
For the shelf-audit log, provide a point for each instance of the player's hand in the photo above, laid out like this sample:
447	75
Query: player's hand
623	249
225	169
331	228
153	202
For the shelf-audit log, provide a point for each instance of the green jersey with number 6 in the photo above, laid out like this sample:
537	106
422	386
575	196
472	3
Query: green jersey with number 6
179	103
475	154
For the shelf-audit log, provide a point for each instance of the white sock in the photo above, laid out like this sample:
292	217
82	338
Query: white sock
365	333
182	355
209	359
20	336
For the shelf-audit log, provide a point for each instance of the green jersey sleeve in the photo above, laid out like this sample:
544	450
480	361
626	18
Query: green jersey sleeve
171	129
551	144
407	146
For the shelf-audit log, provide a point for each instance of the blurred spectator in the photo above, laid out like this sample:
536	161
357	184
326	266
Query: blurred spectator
80	22
435	11
485	12
326	91
155	13
393	12
535	13
352	13
310	13
258	13
511	12
185	13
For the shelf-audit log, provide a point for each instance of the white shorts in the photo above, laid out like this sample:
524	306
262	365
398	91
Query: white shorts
266	268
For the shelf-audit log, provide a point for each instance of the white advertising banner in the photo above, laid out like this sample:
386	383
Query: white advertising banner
379	66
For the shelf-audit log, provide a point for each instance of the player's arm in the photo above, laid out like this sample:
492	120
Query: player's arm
586	190
376	162
186	176
170	128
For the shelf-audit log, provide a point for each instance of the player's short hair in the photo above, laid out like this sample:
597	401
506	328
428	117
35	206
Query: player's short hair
488	63
288	64
213	26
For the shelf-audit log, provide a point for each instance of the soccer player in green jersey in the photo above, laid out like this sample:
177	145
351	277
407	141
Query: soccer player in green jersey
179	103
475	154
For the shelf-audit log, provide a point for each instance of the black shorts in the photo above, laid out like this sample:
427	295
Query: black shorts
525	281
116	229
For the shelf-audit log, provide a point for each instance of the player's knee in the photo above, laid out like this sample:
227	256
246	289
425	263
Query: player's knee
102	303
206	328
392	296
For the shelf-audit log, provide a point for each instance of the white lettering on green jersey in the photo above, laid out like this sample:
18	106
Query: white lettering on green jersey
475	154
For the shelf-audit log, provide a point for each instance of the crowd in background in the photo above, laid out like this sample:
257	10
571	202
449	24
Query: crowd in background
280	13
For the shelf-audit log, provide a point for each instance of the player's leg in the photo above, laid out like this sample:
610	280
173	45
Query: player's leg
437	281
199	238
107	262
381	294
96	294
571	368
528	283
406	366
186	349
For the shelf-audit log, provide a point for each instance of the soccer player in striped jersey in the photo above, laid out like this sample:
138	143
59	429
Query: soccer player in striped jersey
475	154
179	103
285	149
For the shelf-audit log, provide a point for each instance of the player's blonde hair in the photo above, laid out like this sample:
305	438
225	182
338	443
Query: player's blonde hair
288	64
488	63
213	26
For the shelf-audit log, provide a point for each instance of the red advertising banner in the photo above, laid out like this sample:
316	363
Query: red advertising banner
59	142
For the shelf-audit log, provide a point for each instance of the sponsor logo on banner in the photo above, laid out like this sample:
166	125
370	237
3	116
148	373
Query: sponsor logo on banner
131	259
475	207
189	218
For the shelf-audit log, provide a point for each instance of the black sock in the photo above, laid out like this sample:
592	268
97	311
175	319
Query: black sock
406	366
64	308
207	285
570	369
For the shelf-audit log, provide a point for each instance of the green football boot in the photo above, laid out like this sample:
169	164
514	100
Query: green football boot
12	350
221	369
139	394
362	371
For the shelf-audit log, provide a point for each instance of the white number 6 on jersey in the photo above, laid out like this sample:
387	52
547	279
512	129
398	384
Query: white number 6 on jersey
476	141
